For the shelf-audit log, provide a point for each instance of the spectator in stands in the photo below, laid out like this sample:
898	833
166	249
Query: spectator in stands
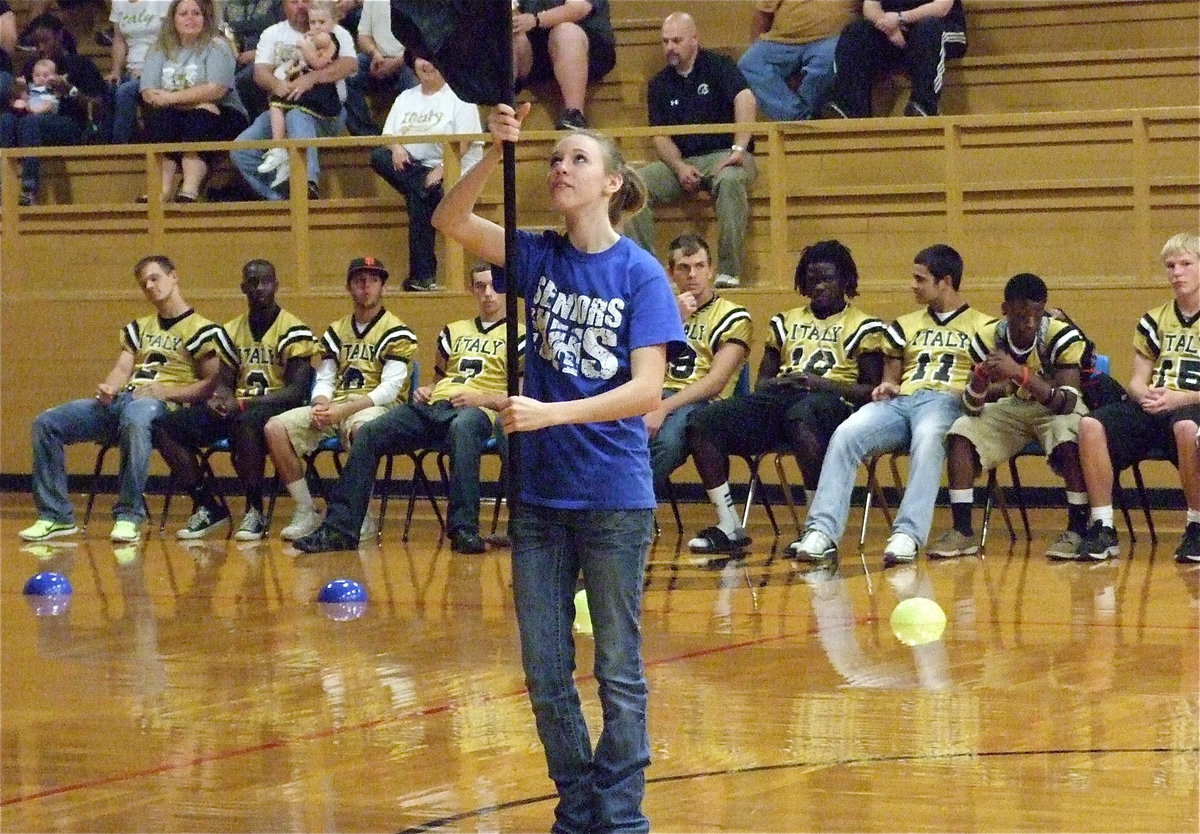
415	169
820	361
700	87
930	354
457	412
78	82
363	370
1027	389
136	25
169	358
1163	410
37	96
273	373
568	41
316	51
8	44
187	86
246	20
381	67
794	39
719	334
917	36
279	44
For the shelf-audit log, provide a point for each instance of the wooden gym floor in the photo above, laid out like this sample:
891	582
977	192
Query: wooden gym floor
200	688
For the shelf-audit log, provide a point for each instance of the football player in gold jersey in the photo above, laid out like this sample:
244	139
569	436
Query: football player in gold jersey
821	360
274	373
1163	409
167	359
458	411
363	370
718	332
930	355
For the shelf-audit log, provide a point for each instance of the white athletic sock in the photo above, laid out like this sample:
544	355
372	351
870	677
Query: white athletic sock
1076	498
300	494
1193	517
727	520
963	496
1103	514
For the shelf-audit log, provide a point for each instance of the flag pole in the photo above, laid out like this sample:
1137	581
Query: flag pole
503	14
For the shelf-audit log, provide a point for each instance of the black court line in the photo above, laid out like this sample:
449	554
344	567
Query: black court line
442	822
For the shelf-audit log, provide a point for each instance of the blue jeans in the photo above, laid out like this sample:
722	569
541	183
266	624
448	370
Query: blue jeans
918	422
30	131
421	203
300	125
767	66
598	790
126	98
669	448
126	422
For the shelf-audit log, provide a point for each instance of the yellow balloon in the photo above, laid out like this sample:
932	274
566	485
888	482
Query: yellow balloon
917	621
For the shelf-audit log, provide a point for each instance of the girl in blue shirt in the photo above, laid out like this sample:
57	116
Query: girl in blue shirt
601	316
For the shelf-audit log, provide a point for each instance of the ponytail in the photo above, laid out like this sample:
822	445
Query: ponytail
629	199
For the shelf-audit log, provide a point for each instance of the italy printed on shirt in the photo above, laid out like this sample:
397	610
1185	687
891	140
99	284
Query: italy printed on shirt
1172	341
475	357
718	322
361	352
169	350
938	349
827	347
576	333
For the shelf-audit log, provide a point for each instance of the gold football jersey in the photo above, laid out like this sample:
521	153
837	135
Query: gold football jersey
827	347
361	351
263	359
1172	342
475	356
1059	344
717	322
169	350
939	351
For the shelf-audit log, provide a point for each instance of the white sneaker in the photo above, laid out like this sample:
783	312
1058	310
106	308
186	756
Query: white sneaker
282	174
901	549
727	282
304	521
368	529
272	159
252	528
815	546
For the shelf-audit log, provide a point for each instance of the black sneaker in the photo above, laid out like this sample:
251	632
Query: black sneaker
203	522
571	119
1099	543
466	541
1189	549
325	540
314	193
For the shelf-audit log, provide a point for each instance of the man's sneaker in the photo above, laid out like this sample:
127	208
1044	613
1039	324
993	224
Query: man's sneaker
304	521
272	159
1189	548
1099	543
952	543
252	528
203	522
466	541
901	550
1066	547
727	282
325	540
914	109
571	119
814	546
423	286
125	531
44	528
369	529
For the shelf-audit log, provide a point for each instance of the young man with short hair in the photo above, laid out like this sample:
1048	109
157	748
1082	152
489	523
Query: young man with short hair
930	355
1031	374
167	359
1163	409
364	369
274	373
459	410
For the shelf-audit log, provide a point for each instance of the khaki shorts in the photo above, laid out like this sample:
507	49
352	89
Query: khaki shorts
1006	426
304	438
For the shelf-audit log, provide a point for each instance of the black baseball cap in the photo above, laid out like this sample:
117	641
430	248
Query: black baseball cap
367	264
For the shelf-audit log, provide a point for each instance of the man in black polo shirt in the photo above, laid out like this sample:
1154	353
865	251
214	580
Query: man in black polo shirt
699	87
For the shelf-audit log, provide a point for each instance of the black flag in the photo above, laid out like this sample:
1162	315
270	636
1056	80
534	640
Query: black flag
469	41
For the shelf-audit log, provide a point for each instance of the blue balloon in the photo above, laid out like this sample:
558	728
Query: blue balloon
343	612
48	583
343	590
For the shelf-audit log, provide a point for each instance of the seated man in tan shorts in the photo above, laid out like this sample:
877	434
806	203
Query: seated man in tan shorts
364	369
1031	374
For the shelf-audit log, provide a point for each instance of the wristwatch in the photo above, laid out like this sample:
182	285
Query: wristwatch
737	148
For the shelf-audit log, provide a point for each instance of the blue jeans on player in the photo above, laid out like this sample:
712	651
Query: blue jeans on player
918	422
126	422
598	790
300	125
669	448
767	66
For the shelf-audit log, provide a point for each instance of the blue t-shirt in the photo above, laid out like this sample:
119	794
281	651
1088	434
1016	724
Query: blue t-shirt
585	314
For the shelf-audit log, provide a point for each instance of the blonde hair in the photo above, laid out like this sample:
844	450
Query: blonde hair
168	39
629	199
1178	244
330	7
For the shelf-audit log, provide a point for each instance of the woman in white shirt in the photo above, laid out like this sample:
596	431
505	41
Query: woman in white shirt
415	169
136	24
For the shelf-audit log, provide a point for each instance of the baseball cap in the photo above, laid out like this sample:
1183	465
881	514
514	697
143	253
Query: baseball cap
369	264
